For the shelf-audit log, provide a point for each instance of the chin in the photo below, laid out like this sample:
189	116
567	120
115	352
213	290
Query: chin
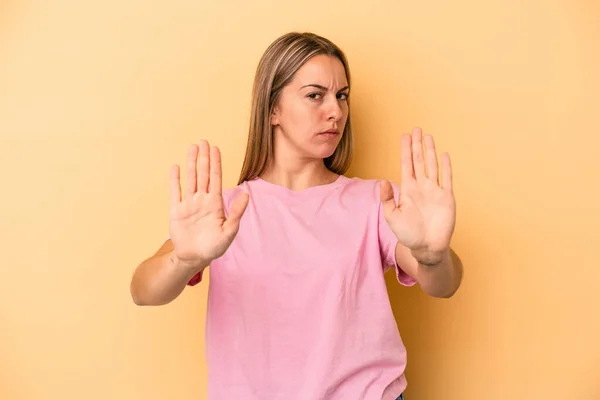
323	151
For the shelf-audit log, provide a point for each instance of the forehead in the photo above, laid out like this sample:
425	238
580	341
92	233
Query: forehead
322	69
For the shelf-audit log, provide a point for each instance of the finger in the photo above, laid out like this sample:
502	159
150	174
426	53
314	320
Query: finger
446	172
191	171
417	154
432	162
238	206
386	194
203	167
406	159
216	171
175	185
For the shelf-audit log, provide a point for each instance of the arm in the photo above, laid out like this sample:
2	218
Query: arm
197	224
424	216
161	278
439	275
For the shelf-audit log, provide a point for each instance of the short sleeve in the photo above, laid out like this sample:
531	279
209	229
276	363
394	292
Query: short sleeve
388	242
196	279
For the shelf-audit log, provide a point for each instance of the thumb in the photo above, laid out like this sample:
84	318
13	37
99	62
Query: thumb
387	197
238	206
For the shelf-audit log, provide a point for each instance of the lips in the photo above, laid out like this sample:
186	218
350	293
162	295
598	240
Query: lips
330	132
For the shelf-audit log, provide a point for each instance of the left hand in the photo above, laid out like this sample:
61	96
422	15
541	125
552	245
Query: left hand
424	218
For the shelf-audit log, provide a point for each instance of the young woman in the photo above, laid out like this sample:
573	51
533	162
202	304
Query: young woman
298	306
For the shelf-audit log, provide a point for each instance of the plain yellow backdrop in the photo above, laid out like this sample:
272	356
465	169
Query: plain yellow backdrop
98	99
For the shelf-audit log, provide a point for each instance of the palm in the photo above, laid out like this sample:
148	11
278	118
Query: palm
424	217
198	225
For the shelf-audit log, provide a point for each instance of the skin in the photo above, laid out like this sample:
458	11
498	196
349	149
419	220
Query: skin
314	101
424	217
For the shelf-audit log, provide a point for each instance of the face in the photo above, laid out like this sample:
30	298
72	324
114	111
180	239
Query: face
312	110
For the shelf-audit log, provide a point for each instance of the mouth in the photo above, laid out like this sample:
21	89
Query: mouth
330	132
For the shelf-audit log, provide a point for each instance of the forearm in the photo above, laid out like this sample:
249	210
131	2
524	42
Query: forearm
439	274
161	279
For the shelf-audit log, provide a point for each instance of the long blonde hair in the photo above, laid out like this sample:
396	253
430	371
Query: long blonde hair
281	60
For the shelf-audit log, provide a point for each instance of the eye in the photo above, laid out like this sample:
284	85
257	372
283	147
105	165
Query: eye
342	96
315	96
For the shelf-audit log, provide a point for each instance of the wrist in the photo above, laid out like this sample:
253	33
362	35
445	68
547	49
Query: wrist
429	258
190	266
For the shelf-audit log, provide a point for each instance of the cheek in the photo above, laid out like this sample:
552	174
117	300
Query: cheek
301	118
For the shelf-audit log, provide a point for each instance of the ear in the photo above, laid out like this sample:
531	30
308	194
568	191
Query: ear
275	116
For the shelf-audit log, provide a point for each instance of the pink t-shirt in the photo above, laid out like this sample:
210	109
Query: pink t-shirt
298	306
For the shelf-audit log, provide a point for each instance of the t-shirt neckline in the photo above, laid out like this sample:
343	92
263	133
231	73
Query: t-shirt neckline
275	188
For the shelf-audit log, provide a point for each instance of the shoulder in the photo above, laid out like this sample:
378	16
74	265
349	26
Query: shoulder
367	187
230	193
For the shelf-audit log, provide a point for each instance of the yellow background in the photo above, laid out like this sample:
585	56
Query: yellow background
97	99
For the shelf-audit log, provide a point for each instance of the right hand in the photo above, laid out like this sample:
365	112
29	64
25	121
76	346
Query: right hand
199	229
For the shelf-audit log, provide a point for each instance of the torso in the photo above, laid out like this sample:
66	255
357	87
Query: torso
298	305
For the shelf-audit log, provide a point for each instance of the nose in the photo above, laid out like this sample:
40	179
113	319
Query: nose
334	111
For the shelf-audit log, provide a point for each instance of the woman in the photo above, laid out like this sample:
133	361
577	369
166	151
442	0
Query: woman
298	306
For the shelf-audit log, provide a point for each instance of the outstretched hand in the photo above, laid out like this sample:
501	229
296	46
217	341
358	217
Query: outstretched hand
424	218
199	229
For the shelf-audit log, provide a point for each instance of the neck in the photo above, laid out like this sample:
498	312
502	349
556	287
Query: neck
298	175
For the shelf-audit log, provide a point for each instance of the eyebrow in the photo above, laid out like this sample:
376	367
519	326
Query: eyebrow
323	87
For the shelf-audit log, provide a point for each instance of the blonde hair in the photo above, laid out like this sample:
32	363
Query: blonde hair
281	60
